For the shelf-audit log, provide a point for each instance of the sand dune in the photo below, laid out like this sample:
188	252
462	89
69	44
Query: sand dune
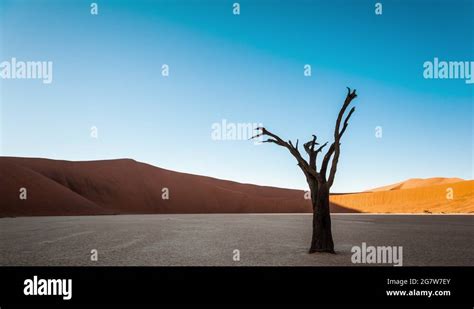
417	183
434	195
125	186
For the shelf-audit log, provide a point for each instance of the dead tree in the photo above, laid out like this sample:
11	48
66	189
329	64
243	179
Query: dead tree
320	181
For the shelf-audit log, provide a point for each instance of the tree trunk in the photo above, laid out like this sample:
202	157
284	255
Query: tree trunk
322	235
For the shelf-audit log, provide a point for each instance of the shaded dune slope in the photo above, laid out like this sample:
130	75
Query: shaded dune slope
125	186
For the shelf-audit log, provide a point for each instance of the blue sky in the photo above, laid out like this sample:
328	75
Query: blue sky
245	69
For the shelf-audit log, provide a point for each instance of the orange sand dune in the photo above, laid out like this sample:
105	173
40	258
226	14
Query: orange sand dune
418	196
417	183
124	186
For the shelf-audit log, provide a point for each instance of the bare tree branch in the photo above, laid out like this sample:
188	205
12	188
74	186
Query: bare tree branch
321	148
309	146
346	121
307	170
318	151
335	147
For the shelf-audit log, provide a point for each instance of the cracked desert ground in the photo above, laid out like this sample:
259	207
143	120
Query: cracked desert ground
210	239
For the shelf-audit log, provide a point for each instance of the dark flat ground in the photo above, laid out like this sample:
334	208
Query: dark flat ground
210	240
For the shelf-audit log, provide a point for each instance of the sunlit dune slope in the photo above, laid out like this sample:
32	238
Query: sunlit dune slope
434	195
417	183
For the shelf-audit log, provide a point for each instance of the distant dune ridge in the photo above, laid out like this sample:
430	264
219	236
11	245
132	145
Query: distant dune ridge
124	186
417	183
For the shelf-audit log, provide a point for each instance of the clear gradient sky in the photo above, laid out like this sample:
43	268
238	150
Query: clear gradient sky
246	68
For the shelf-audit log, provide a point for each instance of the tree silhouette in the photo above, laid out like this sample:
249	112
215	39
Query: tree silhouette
319	184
